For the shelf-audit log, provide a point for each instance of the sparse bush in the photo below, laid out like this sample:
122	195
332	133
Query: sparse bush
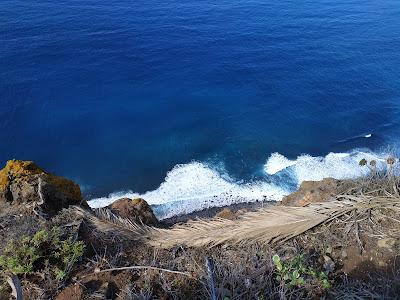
296	273
363	162
31	254
390	160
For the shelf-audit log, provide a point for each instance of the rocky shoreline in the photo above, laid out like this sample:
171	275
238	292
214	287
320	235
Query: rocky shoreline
56	247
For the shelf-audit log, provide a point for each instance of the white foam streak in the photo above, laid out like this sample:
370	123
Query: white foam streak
335	165
277	162
195	186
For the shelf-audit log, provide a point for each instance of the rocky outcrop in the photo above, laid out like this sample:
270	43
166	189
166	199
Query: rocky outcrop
315	191
136	210
23	182
227	213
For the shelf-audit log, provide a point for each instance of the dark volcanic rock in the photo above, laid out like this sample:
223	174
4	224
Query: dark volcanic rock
23	182
137	210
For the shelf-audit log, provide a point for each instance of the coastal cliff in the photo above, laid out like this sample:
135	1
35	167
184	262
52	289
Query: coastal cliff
331	238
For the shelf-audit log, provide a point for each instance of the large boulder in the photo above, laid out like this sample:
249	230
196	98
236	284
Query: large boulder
136	210
315	191
23	182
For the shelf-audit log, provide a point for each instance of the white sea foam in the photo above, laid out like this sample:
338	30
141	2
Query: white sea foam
335	165
194	186
277	162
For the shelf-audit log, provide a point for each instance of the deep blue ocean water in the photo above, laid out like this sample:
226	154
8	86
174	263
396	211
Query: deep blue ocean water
114	94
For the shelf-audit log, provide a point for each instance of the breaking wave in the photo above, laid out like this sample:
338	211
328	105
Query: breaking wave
335	165
196	186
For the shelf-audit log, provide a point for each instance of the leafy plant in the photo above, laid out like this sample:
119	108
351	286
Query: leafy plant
363	162
390	160
20	257
30	254
295	272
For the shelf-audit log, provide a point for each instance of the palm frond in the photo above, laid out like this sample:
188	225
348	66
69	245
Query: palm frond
268	225
107	222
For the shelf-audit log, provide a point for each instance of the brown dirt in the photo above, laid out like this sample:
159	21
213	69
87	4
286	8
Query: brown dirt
72	292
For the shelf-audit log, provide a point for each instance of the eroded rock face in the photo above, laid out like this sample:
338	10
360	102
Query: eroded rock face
23	182
227	213
315	191
136	210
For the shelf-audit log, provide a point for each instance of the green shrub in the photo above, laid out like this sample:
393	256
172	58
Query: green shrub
296	272
31	254
363	162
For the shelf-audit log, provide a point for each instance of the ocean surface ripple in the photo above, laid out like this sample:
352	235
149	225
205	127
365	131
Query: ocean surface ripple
198	103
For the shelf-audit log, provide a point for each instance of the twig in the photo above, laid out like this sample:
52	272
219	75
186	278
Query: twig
141	268
393	219
39	213
358	237
40	191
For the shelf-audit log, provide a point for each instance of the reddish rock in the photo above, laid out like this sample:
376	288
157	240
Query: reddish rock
72	292
23	182
315	191
227	213
137	210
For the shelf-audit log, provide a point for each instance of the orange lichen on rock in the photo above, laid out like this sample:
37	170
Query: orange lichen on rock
25	182
15	169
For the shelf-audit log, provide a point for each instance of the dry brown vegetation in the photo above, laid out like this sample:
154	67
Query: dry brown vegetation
352	241
346	232
376	196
